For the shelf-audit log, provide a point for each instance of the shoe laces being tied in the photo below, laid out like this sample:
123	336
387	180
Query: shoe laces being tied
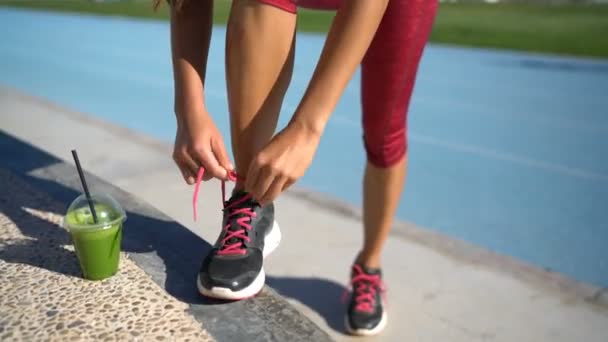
365	287
232	243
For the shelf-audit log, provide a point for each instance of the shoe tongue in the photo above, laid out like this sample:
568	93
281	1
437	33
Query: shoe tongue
234	226
370	270
238	193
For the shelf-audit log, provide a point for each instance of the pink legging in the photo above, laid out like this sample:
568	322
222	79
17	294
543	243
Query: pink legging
388	71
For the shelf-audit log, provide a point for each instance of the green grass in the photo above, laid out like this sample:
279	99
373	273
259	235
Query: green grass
565	29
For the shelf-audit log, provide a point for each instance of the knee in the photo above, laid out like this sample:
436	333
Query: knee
385	150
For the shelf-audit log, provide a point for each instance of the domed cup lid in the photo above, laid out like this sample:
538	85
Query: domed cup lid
79	217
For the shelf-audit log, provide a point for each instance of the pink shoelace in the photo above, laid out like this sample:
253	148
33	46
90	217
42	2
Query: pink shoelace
364	287
231	244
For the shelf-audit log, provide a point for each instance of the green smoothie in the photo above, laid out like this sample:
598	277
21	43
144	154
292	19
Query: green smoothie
98	244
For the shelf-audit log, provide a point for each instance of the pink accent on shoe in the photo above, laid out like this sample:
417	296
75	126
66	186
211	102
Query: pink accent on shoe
364	286
235	248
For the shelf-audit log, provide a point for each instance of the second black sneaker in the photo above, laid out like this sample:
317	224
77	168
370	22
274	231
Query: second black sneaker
365	314
233	269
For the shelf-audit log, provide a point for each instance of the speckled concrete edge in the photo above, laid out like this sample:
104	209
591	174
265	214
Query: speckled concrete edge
40	279
454	248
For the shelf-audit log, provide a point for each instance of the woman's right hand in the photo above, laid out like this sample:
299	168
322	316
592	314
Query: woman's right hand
198	143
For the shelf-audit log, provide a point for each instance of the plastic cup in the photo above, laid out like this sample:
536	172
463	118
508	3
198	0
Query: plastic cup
97	244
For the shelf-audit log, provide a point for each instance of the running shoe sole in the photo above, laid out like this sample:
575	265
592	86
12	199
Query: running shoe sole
271	242
367	332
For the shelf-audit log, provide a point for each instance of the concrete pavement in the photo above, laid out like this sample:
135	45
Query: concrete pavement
439	289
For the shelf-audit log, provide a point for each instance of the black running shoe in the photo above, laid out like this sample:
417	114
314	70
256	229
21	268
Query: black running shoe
366	315
233	269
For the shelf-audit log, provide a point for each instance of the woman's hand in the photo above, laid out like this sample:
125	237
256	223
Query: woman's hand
282	162
198	143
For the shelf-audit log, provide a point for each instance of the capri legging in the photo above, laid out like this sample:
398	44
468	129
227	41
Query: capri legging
388	72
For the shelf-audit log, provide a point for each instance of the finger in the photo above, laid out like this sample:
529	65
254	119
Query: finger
191	164
274	190
287	184
263	182
206	158
188	177
187	166
207	176
219	150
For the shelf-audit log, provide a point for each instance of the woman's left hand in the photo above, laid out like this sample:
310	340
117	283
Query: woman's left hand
282	162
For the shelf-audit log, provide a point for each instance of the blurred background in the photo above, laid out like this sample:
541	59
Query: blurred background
508	123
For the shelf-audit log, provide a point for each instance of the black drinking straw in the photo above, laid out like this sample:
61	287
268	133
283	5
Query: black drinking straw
84	185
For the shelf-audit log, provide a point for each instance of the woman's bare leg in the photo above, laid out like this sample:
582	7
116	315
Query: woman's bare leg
259	63
382	189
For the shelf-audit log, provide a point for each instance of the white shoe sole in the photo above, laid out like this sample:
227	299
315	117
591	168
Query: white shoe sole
367	332
271	242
